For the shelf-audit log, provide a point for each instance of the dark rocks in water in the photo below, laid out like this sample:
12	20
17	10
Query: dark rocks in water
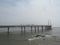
39	35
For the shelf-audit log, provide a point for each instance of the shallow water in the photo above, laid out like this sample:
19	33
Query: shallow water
21	38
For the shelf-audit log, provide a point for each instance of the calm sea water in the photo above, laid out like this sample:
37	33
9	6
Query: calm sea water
16	37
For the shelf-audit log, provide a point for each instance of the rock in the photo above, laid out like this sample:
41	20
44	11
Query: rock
37	35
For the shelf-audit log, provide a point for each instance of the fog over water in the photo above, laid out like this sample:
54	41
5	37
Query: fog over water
16	12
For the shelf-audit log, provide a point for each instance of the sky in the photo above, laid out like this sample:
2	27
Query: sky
16	12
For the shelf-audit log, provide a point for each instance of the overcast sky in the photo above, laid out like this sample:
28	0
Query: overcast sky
30	12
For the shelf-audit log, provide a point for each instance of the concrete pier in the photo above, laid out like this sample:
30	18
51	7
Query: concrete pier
23	27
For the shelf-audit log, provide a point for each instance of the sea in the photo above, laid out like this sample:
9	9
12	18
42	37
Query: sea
16	37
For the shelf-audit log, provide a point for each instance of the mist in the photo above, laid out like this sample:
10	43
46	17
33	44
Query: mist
16	12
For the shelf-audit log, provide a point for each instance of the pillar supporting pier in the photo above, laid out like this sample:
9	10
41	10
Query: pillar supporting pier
8	31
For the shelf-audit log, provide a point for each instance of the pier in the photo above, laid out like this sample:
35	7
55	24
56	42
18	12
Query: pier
23	27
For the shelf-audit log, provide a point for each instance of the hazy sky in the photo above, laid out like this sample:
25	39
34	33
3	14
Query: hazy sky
30	12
